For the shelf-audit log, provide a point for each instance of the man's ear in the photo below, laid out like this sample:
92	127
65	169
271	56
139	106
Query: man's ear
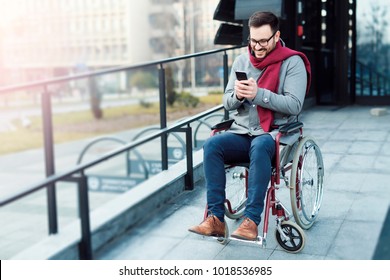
277	36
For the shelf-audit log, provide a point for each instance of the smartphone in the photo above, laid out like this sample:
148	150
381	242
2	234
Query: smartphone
241	76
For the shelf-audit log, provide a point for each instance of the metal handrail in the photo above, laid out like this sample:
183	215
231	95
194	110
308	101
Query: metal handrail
76	174
47	112
83	166
110	70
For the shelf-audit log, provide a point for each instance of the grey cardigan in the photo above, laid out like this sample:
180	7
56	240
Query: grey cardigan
286	103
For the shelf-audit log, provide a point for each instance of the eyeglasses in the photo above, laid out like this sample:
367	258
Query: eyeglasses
262	42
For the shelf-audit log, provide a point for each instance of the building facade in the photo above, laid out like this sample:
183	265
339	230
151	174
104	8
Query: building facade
40	39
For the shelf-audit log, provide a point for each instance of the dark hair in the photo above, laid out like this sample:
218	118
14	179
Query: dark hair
263	18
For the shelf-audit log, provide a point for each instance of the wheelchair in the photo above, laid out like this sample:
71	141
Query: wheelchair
299	164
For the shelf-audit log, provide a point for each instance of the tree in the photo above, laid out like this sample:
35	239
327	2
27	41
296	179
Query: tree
374	47
171	93
95	98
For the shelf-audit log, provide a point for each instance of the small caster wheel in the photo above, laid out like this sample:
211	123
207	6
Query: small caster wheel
292	238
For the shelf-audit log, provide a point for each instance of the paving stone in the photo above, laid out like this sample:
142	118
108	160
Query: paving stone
354	142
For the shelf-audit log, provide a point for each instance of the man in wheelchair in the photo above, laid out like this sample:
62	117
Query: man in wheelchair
271	95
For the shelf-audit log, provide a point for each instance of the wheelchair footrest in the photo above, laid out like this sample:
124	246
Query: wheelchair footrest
259	241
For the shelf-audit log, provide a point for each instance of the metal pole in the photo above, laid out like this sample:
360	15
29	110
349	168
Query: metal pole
163	119
189	177
49	159
85	246
353	53
370	79
192	45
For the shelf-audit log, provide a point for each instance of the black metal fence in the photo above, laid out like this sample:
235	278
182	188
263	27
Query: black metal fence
372	87
77	173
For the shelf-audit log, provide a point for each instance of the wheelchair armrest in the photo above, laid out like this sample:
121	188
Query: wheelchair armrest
290	127
223	125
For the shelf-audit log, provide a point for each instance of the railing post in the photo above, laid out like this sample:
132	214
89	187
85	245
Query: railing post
163	119
49	160
189	177
85	246
370	80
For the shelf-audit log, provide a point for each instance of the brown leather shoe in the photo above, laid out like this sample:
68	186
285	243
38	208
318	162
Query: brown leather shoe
246	231
211	226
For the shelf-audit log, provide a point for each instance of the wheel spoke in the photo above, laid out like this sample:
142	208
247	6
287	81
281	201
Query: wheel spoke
306	182
236	195
295	237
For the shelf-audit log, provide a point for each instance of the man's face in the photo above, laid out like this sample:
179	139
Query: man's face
262	40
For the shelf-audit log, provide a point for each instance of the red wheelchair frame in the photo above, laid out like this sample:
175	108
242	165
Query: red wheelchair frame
306	190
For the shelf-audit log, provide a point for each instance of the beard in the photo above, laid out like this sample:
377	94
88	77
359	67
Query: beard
263	51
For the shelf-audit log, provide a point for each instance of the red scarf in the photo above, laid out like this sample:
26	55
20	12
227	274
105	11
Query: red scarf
270	77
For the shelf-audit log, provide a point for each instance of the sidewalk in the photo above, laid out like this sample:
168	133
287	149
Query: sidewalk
356	149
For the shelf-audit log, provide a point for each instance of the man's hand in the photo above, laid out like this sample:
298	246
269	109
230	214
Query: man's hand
245	89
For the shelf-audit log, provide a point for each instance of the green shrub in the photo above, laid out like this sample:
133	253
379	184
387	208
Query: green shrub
143	80
145	104
186	99
215	92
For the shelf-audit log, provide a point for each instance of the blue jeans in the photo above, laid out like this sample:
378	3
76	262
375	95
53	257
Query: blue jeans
229	148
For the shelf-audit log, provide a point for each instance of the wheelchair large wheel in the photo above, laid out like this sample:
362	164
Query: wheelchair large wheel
306	183
236	191
295	237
